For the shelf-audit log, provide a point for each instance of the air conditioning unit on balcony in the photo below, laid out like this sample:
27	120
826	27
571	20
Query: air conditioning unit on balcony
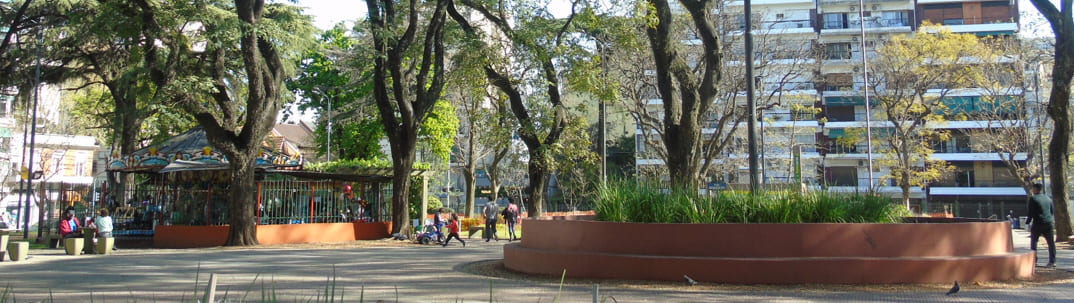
876	6
853	8
854	39
857	69
861	163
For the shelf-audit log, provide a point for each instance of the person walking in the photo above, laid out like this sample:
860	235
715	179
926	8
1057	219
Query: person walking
1041	223
510	215
491	211
453	228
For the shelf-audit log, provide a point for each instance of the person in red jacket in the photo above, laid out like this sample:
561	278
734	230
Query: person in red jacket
69	226
453	227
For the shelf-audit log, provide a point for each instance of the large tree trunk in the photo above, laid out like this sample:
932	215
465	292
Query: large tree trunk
905	186
1059	148
128	125
1059	109
470	173
242	204
400	198
682	144
537	189
403	153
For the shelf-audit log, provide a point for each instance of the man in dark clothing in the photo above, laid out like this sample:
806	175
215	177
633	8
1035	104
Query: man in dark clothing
491	212
1042	223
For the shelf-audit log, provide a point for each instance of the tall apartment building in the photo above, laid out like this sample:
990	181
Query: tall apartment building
822	95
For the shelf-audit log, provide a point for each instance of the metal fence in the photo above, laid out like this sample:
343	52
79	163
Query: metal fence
295	202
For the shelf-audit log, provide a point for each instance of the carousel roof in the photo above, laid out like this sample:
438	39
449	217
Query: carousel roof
189	149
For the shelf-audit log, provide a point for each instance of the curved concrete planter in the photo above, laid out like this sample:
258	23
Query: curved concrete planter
842	253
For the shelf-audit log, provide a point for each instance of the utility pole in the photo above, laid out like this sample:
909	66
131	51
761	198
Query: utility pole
751	105
33	135
865	88
1040	126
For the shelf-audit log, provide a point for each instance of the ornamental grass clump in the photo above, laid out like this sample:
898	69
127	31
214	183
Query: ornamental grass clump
648	203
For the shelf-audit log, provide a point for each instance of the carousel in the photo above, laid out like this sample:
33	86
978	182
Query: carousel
179	197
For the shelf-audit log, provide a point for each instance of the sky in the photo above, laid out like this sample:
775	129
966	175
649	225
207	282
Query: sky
329	12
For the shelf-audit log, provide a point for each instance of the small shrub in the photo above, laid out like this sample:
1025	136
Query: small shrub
646	203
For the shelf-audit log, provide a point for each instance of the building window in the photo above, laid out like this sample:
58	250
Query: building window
833	21
996	12
837	51
946	14
895	18
842	176
57	162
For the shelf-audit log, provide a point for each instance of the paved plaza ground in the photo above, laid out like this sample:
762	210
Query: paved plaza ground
411	273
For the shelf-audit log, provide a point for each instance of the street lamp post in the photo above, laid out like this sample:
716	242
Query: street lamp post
751	106
865	88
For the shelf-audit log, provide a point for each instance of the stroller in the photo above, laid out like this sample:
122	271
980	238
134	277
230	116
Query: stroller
429	235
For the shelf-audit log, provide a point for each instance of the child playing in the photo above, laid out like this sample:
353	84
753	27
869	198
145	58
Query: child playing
453	227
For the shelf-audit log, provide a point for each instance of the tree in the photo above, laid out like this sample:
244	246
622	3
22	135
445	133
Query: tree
918	73
541	49
337	71
408	77
577	167
1003	107
105	44
1059	108
688	90
237	102
505	164
472	101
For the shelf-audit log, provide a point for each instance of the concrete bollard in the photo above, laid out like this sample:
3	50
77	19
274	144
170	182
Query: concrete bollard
74	246
104	245
3	243
18	250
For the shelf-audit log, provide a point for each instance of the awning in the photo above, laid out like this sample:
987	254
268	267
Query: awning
184	165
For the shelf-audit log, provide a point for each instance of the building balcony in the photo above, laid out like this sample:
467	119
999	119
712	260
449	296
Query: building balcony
975	156
855	2
998	28
976	191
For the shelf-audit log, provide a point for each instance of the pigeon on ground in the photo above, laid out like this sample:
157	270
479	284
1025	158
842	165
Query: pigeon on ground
954	289
690	282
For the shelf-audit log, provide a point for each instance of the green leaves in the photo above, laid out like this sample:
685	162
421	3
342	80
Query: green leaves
439	129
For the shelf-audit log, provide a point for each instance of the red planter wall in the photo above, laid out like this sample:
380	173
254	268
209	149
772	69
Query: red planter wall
179	236
771	253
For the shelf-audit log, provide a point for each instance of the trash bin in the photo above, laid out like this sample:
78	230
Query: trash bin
1023	225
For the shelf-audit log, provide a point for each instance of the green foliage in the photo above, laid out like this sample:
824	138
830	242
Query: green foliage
646	203
358	164
326	80
439	129
352	139
414	203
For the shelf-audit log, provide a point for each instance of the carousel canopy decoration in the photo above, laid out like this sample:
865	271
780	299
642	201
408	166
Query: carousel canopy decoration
189	149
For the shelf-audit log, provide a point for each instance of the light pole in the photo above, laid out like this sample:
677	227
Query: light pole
865	88
1040	126
751	105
